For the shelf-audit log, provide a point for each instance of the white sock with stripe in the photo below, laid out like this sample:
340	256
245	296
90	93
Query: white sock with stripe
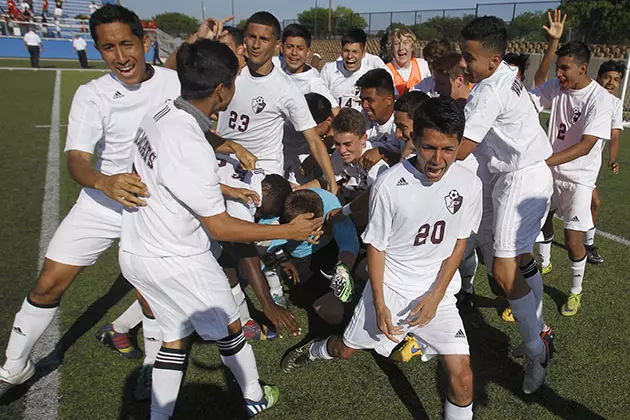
238	356
152	339
168	372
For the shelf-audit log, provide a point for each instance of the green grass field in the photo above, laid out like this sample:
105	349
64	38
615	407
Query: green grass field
50	64
588	379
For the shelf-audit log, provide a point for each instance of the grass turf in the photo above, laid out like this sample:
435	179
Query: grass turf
588	377
50	64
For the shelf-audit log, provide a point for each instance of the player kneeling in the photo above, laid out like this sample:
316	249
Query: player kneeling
165	251
421	212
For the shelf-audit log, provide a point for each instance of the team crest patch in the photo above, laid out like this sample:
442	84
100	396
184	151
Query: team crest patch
258	104
356	90
576	114
453	201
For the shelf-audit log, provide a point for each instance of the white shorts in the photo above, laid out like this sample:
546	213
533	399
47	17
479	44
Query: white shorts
91	226
185	294
520	202
572	203
444	334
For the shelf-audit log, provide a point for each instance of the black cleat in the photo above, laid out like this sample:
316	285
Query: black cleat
297	358
592	256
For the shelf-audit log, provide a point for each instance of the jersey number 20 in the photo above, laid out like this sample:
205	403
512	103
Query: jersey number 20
242	125
436	233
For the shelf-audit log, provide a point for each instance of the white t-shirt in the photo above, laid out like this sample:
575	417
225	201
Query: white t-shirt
256	116
341	83
232	174
383	134
32	39
406	71
105	114
79	44
587	111
353	178
417	224
179	167
501	113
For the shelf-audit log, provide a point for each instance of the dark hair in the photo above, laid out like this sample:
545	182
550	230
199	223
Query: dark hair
300	202
449	64
319	106
490	31
203	65
379	79
519	60
110	13
436	48
353	36
349	120
441	114
410	102
237	34
266	19
611	65
579	51
276	189
297	30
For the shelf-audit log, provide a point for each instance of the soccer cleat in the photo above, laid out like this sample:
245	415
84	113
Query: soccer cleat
546	269
258	332
507	315
573	305
271	394
142	391
342	283
8	381
535	372
592	256
119	342
281	300
297	358
465	300
547	335
406	350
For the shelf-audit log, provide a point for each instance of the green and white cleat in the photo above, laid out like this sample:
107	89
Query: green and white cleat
342	283
573	305
271	394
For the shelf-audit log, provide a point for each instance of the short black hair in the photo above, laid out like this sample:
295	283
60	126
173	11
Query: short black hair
410	102
297	30
110	13
320	107
353	36
276	189
611	65
379	79
519	60
578	50
267	19
441	114
489	30
300	202
203	65
237	34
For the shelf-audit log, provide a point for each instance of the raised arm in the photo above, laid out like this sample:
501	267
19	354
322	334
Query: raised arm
554	32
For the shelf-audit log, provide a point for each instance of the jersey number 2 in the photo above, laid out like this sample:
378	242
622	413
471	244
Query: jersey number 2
436	233
562	129
242	125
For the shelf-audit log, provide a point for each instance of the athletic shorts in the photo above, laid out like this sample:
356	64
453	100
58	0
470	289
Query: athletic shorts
91	226
444	334
185	294
572	203
520	202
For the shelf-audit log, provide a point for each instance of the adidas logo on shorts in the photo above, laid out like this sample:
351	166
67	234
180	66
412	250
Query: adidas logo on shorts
575	219
460	334
401	182
118	95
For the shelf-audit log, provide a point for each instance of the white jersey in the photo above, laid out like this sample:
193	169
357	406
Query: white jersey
179	167
342	83
417	223
233	175
79	44
32	39
352	178
105	114
383	134
500	112
577	113
256	116
617	116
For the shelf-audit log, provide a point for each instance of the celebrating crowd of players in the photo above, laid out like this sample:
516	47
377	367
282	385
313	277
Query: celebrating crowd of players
364	192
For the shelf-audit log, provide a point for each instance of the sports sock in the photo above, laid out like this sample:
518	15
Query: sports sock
129	319
273	280
544	252
168	373
241	302
237	354
488	252
589	237
152	339
535	282
319	350
467	269
577	275
29	325
524	310
457	412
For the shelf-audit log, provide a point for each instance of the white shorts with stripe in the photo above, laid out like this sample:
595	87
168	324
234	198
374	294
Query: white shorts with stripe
572	203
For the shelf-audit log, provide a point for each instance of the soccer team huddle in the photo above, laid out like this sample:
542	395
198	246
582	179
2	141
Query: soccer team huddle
362	194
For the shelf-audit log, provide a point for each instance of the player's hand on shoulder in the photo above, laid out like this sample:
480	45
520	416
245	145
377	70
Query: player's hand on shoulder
425	310
241	194
127	189
305	227
370	158
384	323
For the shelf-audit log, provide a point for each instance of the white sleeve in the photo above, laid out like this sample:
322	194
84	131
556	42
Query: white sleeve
617	116
543	95
317	86
598	121
325	76
424	68
481	112
295	108
85	123
376	170
191	172
474	211
379	227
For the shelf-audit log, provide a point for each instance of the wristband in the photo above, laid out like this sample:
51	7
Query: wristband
346	210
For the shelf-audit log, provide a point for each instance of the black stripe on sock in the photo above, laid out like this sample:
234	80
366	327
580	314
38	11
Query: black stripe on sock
42	305
530	269
457	405
231	345
171	359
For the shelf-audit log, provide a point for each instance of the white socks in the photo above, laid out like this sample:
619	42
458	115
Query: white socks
242	364
577	275
535	282
319	350
467	269
168	373
129	319
456	412
152	339
273	280
241	302
524	310
544	252
589	237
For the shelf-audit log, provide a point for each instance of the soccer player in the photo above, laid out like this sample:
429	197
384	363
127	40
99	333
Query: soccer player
413	255
404	110
165	249
582	115
521	62
434	50
406	68
501	114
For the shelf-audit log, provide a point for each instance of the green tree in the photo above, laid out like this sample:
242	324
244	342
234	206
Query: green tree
176	23
528	26
437	27
343	19
599	21
241	24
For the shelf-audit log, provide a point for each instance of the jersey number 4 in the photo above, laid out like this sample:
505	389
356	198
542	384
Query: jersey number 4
235	124
348	103
435	233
